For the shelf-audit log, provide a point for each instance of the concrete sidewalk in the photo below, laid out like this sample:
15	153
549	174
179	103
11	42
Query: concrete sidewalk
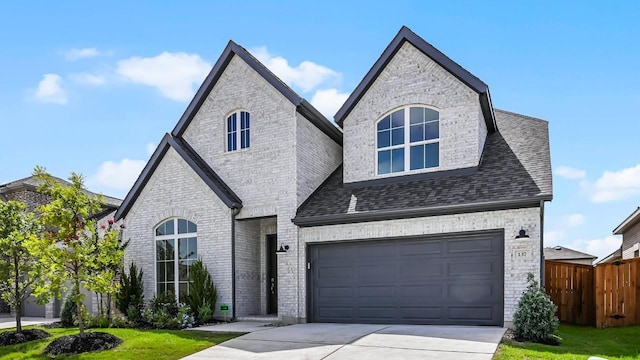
353	341
10	322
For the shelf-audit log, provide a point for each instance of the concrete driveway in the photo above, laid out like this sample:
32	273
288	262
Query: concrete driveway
350	341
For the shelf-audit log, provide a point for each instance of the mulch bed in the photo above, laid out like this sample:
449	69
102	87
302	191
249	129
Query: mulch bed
75	344
13	337
510	337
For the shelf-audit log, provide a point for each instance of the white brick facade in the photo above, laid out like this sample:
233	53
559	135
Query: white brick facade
413	78
521	256
175	190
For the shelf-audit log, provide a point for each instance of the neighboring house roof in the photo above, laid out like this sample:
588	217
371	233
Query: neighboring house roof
302	106
515	171
31	183
405	34
563	253
630	221
614	256
199	166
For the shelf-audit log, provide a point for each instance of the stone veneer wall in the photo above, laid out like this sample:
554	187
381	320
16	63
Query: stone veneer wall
413	78
521	256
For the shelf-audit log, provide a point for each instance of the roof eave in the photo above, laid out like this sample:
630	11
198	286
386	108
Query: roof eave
628	222
359	217
405	34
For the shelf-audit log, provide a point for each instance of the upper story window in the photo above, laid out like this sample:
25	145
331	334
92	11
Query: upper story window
176	242
238	125
408	139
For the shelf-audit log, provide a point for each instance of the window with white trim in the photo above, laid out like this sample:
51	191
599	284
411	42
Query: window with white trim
408	139
176	242
238	134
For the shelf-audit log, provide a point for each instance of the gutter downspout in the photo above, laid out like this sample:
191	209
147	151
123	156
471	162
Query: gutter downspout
542	243
234	212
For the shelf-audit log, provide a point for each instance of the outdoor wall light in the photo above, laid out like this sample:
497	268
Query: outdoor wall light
522	234
283	249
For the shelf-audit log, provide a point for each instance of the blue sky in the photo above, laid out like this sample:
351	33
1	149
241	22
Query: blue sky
93	86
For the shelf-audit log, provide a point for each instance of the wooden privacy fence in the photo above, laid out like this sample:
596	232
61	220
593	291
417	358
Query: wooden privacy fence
605	295
570	287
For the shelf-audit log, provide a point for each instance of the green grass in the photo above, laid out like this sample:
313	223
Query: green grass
136	344
579	343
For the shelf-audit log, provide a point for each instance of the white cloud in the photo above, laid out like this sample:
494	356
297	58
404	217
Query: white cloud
151	147
554	237
75	54
574	220
328	101
570	173
88	79
616	185
118	175
50	90
603	247
307	75
175	75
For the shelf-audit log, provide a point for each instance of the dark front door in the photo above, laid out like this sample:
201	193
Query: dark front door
272	274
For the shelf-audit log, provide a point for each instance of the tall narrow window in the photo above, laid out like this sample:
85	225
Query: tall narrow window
238	133
421	127
176	249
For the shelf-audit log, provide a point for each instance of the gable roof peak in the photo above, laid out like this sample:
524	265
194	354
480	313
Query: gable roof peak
219	67
407	35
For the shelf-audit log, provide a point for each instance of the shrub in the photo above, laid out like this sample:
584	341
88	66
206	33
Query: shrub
535	318
130	298
202	295
98	321
185	316
164	302
69	311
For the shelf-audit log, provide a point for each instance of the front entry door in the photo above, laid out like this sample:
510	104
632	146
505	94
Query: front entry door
272	274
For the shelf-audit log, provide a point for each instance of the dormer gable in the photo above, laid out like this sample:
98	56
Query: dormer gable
416	111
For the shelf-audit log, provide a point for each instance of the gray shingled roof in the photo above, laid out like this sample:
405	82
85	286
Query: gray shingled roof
563	253
515	171
31	183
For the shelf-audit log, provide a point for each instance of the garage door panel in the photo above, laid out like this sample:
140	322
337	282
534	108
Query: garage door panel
422	313
471	246
377	291
422	268
433	292
446	280
421	248
471	313
478	267
335	292
376	313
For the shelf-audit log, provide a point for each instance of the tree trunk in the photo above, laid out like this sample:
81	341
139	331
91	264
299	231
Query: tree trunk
109	307
79	305
17	295
19	317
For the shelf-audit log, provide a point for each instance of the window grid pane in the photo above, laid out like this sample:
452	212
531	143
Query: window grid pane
231	133
166	260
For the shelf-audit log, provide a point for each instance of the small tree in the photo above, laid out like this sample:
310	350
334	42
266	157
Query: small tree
70	248
130	297
19	267
535	318
202	295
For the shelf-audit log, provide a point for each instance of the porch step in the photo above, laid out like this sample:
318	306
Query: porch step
265	318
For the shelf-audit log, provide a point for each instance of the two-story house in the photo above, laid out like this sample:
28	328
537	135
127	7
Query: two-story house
425	205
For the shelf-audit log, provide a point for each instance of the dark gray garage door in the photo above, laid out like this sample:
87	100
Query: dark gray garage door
455	280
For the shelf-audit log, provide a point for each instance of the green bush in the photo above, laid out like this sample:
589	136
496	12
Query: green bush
202	295
130	297
69	312
98	321
535	318
164	302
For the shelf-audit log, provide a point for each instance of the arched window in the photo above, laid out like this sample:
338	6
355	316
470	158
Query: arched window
238	125
408	139
176	242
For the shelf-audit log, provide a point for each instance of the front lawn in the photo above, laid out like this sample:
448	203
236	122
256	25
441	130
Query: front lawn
137	344
579	343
